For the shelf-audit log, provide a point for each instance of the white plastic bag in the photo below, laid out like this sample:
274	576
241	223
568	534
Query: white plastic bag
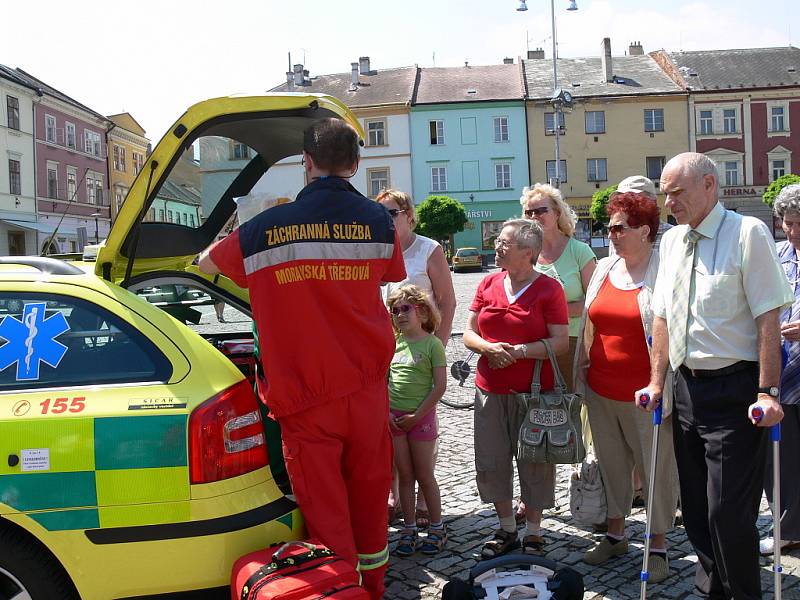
249	206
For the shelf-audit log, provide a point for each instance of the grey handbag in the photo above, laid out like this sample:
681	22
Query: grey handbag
551	431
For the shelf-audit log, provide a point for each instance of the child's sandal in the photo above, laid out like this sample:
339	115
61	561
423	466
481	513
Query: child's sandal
434	541
407	544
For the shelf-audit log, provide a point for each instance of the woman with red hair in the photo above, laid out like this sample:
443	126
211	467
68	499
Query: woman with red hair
612	362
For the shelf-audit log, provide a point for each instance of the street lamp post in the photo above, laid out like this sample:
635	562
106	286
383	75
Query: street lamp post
96	228
559	98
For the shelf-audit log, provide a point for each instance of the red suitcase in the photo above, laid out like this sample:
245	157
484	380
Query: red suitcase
295	571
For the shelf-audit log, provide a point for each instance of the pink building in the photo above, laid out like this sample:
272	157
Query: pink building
72	197
742	105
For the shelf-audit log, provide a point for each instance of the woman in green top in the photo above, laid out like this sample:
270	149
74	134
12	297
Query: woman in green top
563	258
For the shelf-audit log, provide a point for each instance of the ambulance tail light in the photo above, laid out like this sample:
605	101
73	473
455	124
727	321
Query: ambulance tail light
226	436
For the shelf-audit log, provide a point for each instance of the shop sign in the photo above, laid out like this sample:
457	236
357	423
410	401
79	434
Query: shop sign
733	192
479	214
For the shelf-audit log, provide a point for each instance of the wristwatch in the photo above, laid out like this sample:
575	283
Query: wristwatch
770	391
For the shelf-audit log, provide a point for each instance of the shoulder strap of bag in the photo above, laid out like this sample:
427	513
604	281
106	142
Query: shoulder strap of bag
557	376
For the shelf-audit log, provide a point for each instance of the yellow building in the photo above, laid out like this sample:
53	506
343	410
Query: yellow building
127	150
627	117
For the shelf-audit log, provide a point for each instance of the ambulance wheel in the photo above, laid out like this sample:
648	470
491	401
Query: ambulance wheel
29	572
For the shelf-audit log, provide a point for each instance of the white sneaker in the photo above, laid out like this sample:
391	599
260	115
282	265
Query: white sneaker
767	545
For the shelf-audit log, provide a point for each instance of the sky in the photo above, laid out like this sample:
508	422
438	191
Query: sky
155	59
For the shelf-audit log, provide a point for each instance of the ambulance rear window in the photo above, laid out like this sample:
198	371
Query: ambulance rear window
50	340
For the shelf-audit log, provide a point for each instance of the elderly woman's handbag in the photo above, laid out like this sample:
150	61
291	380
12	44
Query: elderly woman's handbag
551	430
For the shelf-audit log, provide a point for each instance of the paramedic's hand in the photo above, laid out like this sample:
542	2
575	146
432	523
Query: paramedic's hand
407	422
791	331
499	355
655	398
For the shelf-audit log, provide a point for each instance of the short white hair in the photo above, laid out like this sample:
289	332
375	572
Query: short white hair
788	200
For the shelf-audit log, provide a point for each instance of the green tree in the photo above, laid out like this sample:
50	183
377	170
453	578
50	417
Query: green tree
776	186
439	217
598	208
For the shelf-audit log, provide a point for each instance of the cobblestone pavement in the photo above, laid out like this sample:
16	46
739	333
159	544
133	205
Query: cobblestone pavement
470	523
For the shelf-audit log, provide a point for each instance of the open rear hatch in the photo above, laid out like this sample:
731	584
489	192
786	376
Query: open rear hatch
183	199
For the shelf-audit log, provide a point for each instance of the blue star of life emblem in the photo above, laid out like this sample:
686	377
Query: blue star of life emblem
32	341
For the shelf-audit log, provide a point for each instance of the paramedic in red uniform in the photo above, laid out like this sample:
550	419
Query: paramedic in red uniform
314	268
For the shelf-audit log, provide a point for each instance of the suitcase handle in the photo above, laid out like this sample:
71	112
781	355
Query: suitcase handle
283	549
511	560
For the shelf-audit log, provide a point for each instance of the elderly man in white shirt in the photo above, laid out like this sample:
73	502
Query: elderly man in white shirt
717	301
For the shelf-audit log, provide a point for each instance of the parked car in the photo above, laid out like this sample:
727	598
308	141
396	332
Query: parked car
467	259
135	456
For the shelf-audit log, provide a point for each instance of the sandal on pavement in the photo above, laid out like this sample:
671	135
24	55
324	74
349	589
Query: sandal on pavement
502	542
434	541
423	518
533	544
407	544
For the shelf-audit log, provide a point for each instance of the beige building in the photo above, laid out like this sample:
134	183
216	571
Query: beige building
127	150
627	117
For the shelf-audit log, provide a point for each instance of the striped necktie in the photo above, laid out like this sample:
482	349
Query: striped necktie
679	322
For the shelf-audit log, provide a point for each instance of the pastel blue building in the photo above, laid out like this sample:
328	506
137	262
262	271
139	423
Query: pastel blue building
469	142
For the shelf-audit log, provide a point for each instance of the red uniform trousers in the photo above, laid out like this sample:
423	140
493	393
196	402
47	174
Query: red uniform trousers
339	459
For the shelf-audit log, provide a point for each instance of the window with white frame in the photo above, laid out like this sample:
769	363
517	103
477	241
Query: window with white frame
138	162
596	169
705	122
72	183
119	158
729	121
102	200
654	165
500	129
69	128
437	132
777	169
438	179
191	220
376	133
780	162
52	180
653	119
12	110
778	115
14	177
595	121
377	181
161	214
91	189
549	123
50	128
550	166
92	143
239	151
731	172
119	196
502	176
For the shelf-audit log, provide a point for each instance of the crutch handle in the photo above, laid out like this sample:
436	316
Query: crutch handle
644	400
756	413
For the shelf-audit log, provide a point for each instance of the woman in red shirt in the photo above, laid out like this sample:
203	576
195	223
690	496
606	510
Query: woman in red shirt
612	362
512	311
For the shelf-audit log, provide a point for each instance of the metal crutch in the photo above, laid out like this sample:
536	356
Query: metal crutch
757	413
644	400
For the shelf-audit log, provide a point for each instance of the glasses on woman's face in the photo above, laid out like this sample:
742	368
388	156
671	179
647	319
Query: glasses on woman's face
401	309
619	228
536	212
503	244
395	211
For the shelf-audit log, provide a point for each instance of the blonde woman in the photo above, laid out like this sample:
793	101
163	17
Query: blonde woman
426	265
